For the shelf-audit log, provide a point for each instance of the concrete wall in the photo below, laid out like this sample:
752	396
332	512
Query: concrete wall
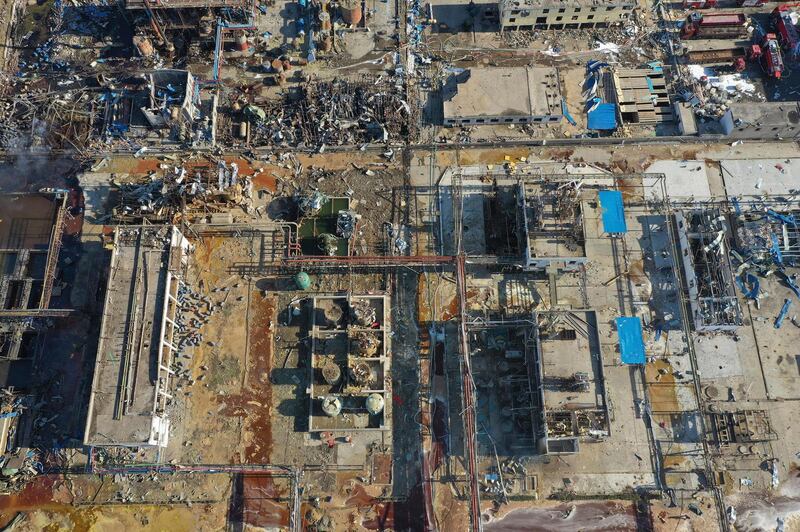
483	120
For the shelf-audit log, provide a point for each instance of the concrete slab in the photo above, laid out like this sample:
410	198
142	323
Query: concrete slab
756	177
684	179
717	357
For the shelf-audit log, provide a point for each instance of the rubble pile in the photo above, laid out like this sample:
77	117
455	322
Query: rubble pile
14	477
362	313
767	243
165	197
194	311
719	90
337	112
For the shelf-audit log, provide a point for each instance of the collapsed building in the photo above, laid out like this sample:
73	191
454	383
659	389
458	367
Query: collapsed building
31	233
527	15
345	111
162	103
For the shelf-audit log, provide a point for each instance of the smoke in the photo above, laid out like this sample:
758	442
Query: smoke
770	511
29	164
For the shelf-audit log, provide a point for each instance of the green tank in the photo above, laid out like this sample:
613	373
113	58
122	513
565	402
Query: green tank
302	280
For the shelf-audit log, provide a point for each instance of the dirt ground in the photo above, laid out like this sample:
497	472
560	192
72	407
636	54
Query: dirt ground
139	517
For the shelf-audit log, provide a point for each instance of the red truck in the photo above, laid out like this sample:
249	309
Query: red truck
699	4
771	58
715	26
786	31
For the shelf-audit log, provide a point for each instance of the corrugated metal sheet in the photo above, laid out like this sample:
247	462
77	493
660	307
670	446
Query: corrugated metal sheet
631	341
604	117
613	211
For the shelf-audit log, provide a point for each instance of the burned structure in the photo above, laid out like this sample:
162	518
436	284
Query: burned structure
703	239
31	232
141	335
349	374
551	222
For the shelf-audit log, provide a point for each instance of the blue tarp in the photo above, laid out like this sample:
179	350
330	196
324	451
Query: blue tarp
565	112
613	211
631	342
604	117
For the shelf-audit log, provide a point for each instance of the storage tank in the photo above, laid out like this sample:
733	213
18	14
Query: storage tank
331	405
375	403
241	42
351	11
324	21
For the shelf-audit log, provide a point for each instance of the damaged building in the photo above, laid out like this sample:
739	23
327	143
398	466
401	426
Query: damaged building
165	104
527	15
704	241
31	229
551	222
754	120
183	27
539	384
137	356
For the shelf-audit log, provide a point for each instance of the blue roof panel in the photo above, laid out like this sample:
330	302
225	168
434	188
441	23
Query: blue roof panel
631	341
613	211
603	117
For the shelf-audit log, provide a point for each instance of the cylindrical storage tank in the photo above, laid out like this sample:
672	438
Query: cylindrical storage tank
375	403
302	280
241	43
331	372
351	11
327	44
143	45
331	405
324	21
